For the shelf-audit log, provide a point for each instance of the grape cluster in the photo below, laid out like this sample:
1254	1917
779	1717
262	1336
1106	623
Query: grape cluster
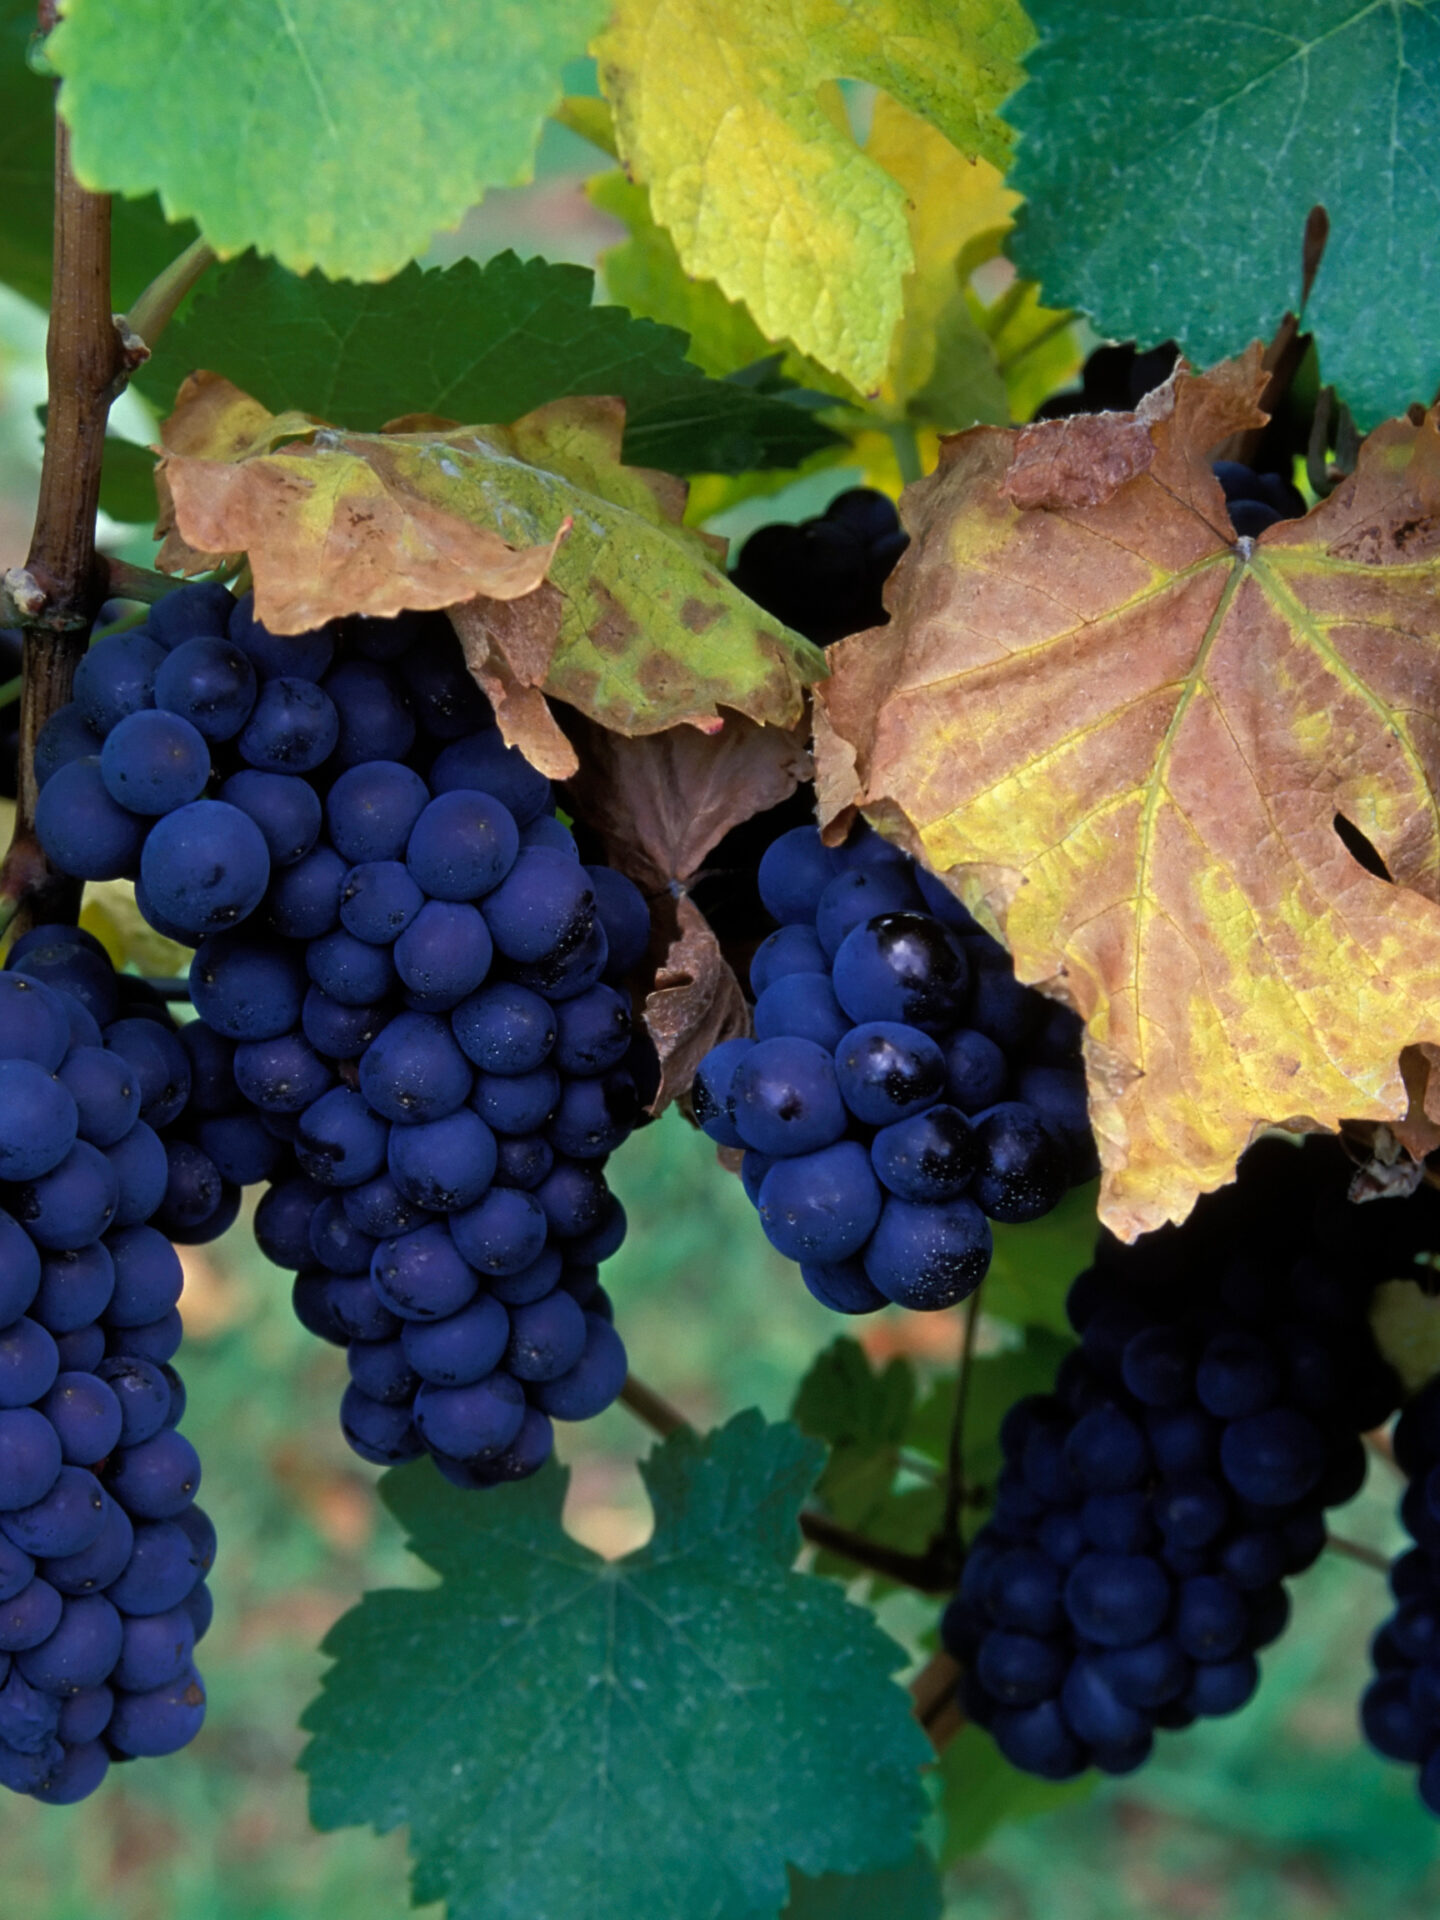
1151	1507
1400	1712
413	982
1256	500
902	1089
103	1553
824	577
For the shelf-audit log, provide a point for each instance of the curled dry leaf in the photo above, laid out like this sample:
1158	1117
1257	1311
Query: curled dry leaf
696	1003
1125	736
661	803
641	630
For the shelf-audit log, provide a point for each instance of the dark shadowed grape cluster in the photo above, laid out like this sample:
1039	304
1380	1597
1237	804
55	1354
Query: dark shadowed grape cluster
413	982
103	1552
823	577
902	1089
1150	1509
1400	1711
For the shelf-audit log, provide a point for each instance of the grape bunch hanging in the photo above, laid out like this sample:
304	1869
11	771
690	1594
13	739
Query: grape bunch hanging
103	1552
414	985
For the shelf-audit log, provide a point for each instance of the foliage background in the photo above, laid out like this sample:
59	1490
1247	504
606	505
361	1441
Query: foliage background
1277	1812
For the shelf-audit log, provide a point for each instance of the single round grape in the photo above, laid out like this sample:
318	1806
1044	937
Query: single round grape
83	830
247	989
155	1650
374	721
506	1029
443	955
593	1383
544	904
380	1433
379	901
200	607
292	728
84	1715
860	895
928	1158
117	677
67	735
795	870
284	807
341	1141
86	1416
472	1422
887	1072
105	1090
460	1349
1272	1458
482	763
161	1721
302	901
154	762
378	1208
157	1479
443	1165
462	846
82	1651
148	1277
30	1617
336	1242
574	1197
29	1363
415	1072
34	1024
928	1257
1236	1375
303	656
381	1372
163	1567
903	968
210	683
39	1120
524	1160
371	809
446	700
622	911
821	1207
421	1275
1117	1600
71	1205
161	1067
843	1286
1021	1174
502	1233
340	1032
785	1098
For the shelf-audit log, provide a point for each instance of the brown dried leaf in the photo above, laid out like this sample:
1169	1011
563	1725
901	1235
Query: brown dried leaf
1124	736
509	645
695	1003
662	802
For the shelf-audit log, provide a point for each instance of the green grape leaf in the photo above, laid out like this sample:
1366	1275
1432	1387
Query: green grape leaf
1032	1266
141	240
471	343
908	1892
337	134
127	482
655	1735
863	1417
724	109
1405	1320
1169	160
980	1791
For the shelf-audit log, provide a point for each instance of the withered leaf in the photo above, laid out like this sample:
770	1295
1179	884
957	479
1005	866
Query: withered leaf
642	631
696	1003
1125	737
661	803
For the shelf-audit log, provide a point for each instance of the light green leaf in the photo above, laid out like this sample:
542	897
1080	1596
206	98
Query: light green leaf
722	109
141	242
471	343
1405	1320
981	1791
908	1892
1032	1266
1169	160
337	134
655	1735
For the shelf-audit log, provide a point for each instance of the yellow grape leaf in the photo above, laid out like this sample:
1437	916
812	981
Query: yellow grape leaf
110	913
719	109
565	572
1406	1323
940	357
1125	736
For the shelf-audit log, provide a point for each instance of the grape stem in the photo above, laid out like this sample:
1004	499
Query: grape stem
930	1572
57	593
1355	1550
155	308
950	1534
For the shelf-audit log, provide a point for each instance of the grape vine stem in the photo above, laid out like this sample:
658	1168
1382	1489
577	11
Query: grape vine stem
57	593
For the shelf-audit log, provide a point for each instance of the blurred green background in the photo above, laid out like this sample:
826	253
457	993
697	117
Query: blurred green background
1278	1812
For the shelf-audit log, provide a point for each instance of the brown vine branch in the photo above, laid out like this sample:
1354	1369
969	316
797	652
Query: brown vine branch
955	1452
59	590
1355	1550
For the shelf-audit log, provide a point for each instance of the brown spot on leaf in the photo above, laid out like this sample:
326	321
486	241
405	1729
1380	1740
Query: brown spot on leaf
700	615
